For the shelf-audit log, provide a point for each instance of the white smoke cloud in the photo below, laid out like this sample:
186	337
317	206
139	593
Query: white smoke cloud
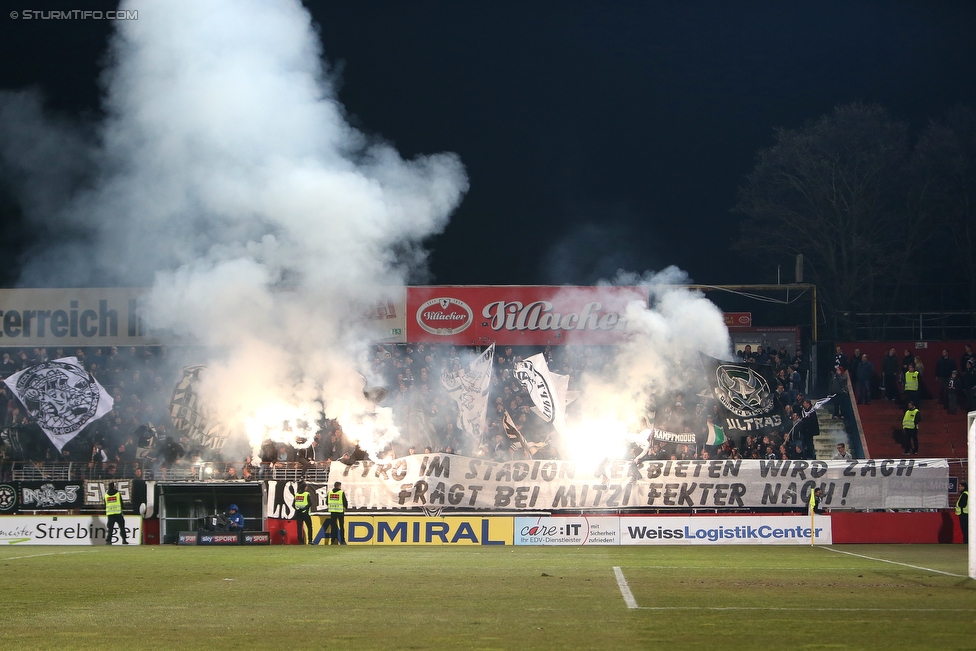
228	179
661	358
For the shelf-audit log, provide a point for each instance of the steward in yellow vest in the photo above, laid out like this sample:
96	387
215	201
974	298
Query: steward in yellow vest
337	520
113	509
302	518
909	425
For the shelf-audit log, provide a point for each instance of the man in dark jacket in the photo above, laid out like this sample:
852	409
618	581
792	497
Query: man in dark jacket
809	428
943	371
865	376
889	374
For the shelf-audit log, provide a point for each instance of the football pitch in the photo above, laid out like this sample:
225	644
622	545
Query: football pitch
372	597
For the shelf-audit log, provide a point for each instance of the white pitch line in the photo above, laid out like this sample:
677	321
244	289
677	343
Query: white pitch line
804	609
884	560
17	558
625	589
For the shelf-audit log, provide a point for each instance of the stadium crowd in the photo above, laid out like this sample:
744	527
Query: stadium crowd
139	435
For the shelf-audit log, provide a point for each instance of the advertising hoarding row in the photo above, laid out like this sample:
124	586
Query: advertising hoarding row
451	314
578	530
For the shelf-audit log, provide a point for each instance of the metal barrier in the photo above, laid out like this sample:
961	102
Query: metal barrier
200	472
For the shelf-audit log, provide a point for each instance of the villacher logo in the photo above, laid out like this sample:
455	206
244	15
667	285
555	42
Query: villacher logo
445	316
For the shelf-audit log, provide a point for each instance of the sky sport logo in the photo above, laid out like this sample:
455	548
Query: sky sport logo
75	14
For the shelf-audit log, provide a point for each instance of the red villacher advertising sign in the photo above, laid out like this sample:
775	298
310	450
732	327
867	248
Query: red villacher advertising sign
517	315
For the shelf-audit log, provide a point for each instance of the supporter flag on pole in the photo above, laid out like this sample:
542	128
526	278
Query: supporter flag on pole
534	375
61	397
744	391
469	388
716	435
813	410
191	416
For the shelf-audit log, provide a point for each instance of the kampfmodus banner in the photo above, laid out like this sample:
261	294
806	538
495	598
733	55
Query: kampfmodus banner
436	481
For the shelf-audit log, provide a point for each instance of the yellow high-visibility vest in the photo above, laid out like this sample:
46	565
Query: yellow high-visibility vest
908	422
301	501
962	509
911	380
335	501
113	504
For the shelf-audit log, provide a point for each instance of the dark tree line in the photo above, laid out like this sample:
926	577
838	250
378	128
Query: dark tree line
874	209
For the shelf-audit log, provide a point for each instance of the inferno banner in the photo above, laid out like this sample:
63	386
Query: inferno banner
448	481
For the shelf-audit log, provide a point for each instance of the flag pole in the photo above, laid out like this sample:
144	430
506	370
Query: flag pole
813	503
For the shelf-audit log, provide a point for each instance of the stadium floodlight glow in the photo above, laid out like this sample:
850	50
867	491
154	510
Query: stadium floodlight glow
970	481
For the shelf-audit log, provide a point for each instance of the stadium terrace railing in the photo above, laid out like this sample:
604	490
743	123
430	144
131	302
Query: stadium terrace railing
202	472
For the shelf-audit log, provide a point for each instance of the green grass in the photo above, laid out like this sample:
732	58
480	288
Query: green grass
168	597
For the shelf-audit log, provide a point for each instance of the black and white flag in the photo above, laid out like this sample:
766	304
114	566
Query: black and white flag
745	393
544	389
61	397
469	388
191	417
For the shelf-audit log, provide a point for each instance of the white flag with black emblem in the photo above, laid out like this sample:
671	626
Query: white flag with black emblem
61	397
534	375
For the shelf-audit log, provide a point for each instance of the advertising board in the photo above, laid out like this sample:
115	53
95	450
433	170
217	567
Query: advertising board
64	530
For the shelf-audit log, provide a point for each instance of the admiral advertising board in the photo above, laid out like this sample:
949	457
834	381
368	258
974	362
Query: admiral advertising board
520	315
64	530
419	530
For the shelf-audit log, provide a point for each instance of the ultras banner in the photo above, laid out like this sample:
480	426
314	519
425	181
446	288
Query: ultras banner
746	393
436	481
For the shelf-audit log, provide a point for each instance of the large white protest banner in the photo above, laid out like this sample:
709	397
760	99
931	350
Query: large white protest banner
441	480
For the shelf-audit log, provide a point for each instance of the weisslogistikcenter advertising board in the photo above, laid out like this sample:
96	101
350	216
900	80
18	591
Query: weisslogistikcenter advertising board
725	530
65	530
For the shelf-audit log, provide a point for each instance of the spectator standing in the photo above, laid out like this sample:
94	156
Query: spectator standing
840	359
968	384
889	374
943	371
952	392
842	453
865	375
854	362
840	390
113	511
909	424
810	428
966	358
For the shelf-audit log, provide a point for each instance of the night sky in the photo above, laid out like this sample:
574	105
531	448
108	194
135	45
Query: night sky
596	135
